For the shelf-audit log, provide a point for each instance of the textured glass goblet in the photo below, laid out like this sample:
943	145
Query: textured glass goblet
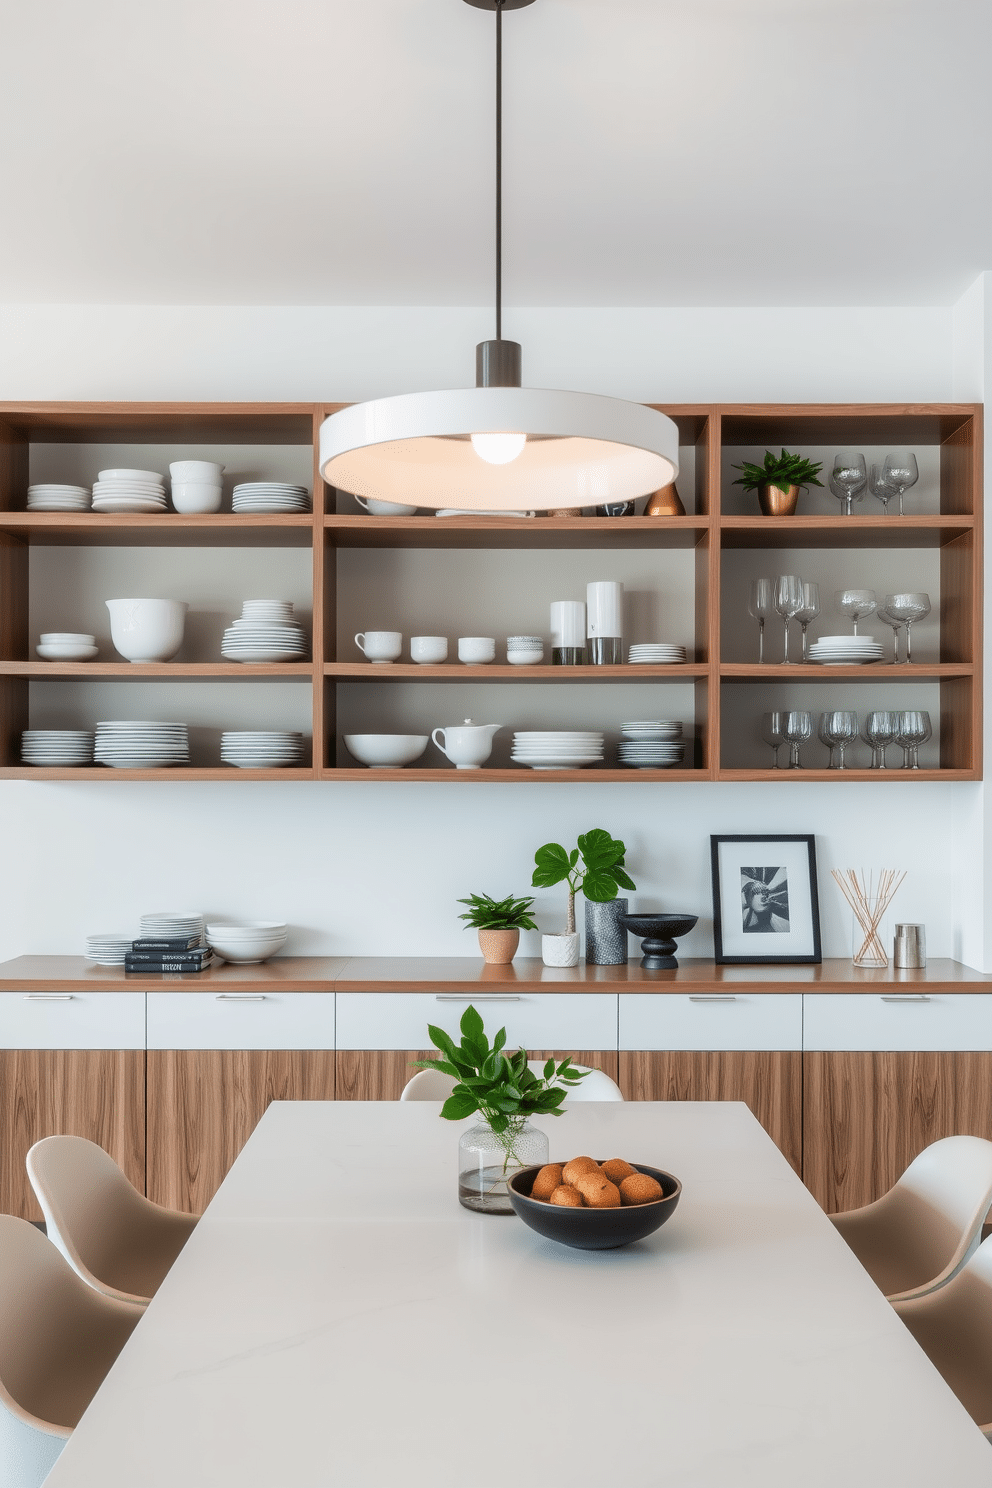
908	608
884	614
881	728
772	731
915	729
808	610
788	599
900	471
798	728
759	606
848	478
881	487
856	604
837	730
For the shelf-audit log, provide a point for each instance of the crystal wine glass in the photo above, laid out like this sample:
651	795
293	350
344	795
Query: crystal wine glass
798	728
901	471
837	730
759	607
881	728
883	613
788	599
915	729
848	478
807	611
772	726
908	608
881	487
856	604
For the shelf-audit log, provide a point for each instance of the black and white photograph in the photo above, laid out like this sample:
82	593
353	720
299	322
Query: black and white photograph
765	906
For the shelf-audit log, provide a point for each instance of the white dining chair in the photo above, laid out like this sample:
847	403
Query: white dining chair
915	1238
953	1327
119	1242
58	1339
432	1085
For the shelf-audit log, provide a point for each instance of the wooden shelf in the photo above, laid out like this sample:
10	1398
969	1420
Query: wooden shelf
168	529
104	773
518	775
162	671
515	532
922	671
495	672
875	777
843	532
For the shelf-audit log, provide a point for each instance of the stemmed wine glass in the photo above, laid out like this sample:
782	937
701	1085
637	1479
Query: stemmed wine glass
837	730
856	604
788	600
798	727
772	726
881	487
900	471
881	728
807	611
848	478
883	614
759	607
915	729
908	608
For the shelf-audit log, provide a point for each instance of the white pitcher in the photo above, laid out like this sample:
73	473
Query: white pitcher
468	745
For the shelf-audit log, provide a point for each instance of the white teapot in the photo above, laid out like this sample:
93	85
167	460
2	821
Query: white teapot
468	745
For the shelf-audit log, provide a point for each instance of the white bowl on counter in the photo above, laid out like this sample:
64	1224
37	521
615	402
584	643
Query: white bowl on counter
386	751
247	944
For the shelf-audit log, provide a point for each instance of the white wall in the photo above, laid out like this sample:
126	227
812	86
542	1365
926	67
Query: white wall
377	869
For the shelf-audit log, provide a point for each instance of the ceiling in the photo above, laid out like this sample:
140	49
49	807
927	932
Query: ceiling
656	152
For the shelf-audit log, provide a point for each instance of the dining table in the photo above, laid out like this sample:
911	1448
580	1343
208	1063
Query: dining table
337	1318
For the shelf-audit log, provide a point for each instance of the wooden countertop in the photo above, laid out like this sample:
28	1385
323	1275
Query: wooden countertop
431	973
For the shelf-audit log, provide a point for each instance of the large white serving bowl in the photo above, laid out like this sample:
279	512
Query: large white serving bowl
386	751
247	944
147	629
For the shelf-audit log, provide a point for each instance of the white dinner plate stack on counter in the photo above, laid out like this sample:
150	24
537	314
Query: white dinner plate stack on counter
129	491
53	497
651	744
557	749
261	749
57	748
270	496
266	631
141	745
173	924
107	947
655	653
846	650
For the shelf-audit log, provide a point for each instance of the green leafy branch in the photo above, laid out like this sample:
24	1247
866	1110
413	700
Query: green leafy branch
783	471
600	877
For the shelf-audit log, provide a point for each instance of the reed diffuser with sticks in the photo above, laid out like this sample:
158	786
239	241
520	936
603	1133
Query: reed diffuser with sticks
869	899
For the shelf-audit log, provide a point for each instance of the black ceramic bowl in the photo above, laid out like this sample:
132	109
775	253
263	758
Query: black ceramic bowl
593	1229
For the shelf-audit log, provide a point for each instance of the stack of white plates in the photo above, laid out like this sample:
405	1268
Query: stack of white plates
172	924
54	747
265	632
557	749
49	496
651	744
270	496
261	749
655	653
108	947
141	745
846	650
129	491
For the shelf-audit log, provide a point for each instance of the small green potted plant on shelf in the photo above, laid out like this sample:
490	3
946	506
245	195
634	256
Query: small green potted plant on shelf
499	923
505	1092
779	481
595	868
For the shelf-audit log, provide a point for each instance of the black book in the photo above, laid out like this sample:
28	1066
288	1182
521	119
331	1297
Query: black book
171	945
166	963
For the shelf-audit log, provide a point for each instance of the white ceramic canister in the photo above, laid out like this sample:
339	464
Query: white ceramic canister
568	632
560	950
604	626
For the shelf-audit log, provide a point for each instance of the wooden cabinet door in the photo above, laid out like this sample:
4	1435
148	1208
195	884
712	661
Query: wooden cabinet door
204	1104
94	1093
768	1081
867	1114
380	1074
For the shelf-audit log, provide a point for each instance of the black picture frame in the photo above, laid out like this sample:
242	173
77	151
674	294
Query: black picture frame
765	905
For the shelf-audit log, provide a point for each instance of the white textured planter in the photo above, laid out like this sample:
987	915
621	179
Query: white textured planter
560	950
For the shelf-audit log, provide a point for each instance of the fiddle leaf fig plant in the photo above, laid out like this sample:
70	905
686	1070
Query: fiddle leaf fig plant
782	470
484	913
600	876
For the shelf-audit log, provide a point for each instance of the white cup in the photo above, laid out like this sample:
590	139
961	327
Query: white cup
378	508
428	650
196	496
380	645
476	650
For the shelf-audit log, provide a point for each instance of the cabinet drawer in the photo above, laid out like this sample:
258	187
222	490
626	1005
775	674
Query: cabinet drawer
711	1021
898	1021
533	1020
72	1020
241	1020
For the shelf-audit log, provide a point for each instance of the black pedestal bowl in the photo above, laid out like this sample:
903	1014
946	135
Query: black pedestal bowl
659	932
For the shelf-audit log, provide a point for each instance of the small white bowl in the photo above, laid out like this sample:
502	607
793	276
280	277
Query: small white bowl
196	470
67	652
196	496
132	475
386	751
525	658
66	638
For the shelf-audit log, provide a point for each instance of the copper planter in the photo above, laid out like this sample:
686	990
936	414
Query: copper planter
775	502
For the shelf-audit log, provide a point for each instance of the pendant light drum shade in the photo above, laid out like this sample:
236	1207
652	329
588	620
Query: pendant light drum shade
582	449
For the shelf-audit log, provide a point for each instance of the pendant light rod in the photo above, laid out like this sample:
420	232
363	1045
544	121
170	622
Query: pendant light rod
499	170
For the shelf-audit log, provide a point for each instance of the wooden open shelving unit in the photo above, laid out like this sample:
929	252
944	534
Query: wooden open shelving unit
720	534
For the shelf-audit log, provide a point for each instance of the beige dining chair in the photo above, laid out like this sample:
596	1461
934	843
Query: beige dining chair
918	1235
119	1242
953	1327
58	1339
432	1085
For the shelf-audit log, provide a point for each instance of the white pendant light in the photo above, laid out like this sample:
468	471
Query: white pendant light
499	446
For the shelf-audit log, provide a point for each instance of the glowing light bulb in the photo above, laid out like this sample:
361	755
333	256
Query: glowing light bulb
498	449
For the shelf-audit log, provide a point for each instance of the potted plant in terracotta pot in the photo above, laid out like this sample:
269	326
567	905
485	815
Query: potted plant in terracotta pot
779	481
499	923
595	868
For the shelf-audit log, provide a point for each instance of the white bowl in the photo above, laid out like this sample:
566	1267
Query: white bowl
66	638
248	927
224	940
196	470
196	496
147	629
67	652
131	475
386	751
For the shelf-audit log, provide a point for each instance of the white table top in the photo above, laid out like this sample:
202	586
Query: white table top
338	1319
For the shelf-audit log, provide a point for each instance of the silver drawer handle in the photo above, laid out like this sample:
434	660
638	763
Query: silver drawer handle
239	996
711	997
919	998
477	997
48	996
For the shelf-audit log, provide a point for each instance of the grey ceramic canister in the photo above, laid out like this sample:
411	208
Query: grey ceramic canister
606	938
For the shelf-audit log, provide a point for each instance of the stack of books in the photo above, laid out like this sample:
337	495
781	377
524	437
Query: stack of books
183	953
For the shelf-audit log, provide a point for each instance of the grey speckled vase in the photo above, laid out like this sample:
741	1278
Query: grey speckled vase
606	938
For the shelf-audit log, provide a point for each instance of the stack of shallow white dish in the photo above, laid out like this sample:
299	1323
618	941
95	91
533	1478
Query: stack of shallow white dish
655	653
651	744
67	645
270	496
108	947
557	749
261	749
250	943
57	747
141	745
265	632
172	924
48	496
846	650
129	491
